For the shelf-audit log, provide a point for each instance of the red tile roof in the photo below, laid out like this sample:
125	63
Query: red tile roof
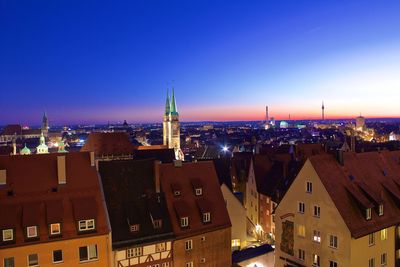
37	198
364	181
188	204
12	129
108	144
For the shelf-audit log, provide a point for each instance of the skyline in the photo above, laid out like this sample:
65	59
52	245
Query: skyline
97	62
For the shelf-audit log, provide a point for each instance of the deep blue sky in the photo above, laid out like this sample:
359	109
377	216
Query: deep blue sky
94	61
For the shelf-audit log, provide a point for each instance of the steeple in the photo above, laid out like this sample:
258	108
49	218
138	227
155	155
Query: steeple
167	105
174	110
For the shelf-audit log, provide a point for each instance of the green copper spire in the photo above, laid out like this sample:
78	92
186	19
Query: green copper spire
174	110
167	105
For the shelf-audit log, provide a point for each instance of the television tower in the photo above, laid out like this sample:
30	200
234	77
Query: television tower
323	111
266	114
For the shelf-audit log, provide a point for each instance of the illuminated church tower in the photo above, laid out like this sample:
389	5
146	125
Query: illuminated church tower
45	124
171	127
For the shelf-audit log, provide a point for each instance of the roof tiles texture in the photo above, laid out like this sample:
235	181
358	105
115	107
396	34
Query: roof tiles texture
108	144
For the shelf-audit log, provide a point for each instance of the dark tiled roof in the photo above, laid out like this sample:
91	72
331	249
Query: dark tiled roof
248	253
12	129
208	152
188	204
165	155
363	181
129	190
241	164
109	144
37	196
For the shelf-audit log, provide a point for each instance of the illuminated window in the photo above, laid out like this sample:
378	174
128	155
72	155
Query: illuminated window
236	243
184	221
333	264
206	217
333	241
371	239
301	230
368	214
31	231
160	247
134	252
55	229
317	236
199	191
157	224
371	262
8	234
308	187
384	234
316	260
188	244
302	255
88	253
317	211
383	259
165	264
57	256
9	262
302	207
189	264
380	209
134	228
33	260
86	225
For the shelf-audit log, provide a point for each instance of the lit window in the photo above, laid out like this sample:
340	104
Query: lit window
9	262
206	217
88	253
368	214
384	234
184	221
55	229
199	191
371	262
383	259
8	234
317	236
380	209
189	264
302	255
316	260
302	207
333	241
165	264
308	187
31	231
134	228
57	256
188	244
301	230
160	247
134	252
371	239
157	224
86	225
235	243
333	264
33	260
317	211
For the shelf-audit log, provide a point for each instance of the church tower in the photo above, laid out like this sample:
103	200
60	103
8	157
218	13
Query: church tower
45	124
171	126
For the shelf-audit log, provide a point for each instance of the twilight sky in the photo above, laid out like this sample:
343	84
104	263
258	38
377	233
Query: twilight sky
99	61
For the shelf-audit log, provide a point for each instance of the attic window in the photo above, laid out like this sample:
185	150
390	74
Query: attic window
157	224
8	235
31	231
368	214
199	191
177	193
134	228
206	217
380	209
184	221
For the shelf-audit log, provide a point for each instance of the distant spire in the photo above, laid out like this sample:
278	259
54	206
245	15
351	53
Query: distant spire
167	105
174	110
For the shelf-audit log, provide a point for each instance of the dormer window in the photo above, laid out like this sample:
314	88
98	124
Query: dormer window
380	209
184	221
206	217
157	224
177	193
134	228
31	232
55	229
368	214
86	225
7	235
197	186
199	191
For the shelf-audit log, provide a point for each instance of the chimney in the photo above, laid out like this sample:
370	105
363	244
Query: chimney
92	162
3	177
61	171
157	164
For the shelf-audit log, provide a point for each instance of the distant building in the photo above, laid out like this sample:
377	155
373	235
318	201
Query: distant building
171	127
360	123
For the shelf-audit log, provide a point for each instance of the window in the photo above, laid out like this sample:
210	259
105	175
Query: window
206	217
177	193
188	244
333	241
189	264
33	260
302	207
371	262
8	234
301	230
384	234
55	229
86	225
157	224
371	239
134	228
308	187
317	211
57	256
31	231
316	260
203	238
302	255
202	260
134	252
165	264
9	262
184	221
368	214
380	209
383	259
199	191
160	247
88	253
333	264
317	236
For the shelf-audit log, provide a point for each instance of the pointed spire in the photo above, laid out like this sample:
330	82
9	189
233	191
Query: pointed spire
167	105
174	110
